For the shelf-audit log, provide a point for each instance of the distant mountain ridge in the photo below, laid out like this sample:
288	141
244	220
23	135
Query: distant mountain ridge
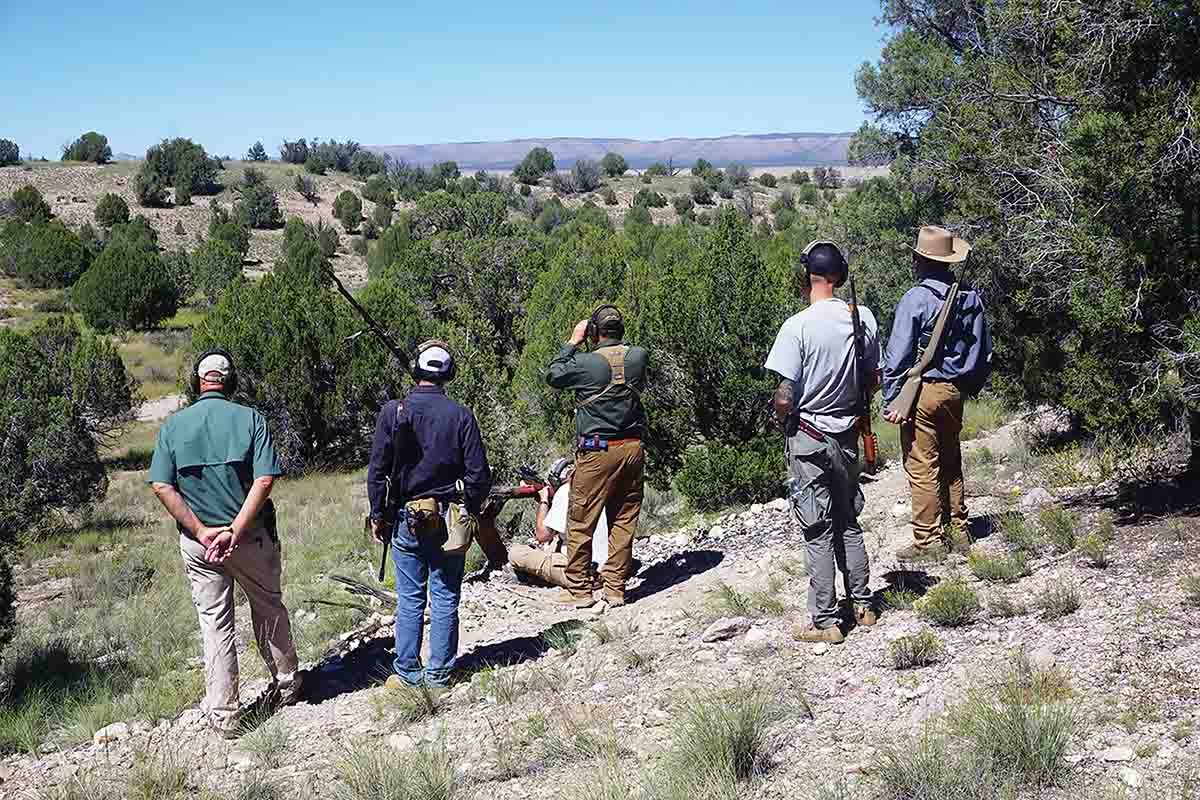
765	149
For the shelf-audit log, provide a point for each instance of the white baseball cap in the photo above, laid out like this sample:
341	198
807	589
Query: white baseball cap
435	360
215	363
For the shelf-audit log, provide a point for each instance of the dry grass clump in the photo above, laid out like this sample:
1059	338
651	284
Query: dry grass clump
917	650
727	601
1059	527
1002	606
1095	545
1190	586
900	599
998	568
951	603
1019	535
267	743
368	771
405	704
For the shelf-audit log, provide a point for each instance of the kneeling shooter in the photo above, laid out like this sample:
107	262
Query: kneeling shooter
609	465
817	402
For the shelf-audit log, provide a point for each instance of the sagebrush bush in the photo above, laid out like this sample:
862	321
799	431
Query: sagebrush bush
649	199
701	193
126	288
1059	527
586	175
916	650
29	205
112	210
91	146
1004	568
715	476
951	603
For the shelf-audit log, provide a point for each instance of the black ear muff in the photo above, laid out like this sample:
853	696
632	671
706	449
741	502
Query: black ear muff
804	261
231	382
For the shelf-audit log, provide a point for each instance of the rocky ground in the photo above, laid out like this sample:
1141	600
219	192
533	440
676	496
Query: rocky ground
1130	654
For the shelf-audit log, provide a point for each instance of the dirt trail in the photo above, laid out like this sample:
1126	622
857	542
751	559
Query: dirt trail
161	408
842	701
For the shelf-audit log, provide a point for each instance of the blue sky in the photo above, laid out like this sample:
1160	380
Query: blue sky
228	73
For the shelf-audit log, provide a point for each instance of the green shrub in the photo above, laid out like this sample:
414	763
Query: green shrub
701	194
1002	568
585	175
382	217
229	228
1004	607
360	245
10	153
951	603
704	218
737	175
180	163
214	265
29	205
1059	601
179	269
1059	527
525	190
657	170
614	165
799	176
294	152
638	215
767	179
808	195
610	197
1096	544
785	218
683	204
379	190
126	288
646	179
258	206
1018	534
537	163
257	152
1190	586
916	650
348	210
725	190
150	188
649	199
703	168
112	210
91	146
365	164
46	255
716	476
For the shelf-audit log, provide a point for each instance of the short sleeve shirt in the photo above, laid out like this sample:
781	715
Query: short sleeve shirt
211	452
815	350
556	520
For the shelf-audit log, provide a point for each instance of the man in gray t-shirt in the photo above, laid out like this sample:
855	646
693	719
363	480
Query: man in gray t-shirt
816	401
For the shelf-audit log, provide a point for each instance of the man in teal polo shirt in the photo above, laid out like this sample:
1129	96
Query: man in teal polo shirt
213	469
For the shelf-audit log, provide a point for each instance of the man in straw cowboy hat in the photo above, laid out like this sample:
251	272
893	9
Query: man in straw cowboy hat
929	439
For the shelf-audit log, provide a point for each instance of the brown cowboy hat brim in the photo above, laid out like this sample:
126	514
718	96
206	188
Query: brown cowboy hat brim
959	252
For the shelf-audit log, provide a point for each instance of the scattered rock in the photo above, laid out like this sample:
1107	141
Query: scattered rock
1049	425
779	504
111	733
902	509
821	649
756	508
1117	754
725	628
1132	778
716	531
1043	659
400	741
681	540
1034	499
757	637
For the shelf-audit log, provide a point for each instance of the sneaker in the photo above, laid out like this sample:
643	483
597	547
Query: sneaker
566	598
933	552
865	616
811	633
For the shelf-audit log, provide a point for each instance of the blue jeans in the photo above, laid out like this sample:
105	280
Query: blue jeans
420	563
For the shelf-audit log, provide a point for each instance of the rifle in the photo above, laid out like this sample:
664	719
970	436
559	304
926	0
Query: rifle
378	330
866	385
906	402
487	536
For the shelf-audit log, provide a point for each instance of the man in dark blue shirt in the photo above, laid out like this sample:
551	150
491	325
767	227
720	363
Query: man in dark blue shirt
930	440
430	444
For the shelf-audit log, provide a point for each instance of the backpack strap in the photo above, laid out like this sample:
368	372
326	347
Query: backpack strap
615	356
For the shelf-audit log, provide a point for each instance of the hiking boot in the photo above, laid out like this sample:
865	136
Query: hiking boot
566	598
290	687
811	633
227	727
933	552
865	616
613	600
396	682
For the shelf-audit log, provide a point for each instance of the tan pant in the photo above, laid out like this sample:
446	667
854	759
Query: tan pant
610	481
256	567
546	565
933	461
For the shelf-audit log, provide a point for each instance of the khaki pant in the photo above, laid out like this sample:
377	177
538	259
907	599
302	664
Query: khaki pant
933	461
545	565
610	481
256	567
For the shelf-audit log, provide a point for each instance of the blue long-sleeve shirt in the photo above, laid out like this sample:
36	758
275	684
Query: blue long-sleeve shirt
965	356
444	448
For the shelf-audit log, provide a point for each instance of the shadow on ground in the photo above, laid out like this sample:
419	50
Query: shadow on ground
673	571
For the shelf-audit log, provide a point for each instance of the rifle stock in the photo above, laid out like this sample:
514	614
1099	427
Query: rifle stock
906	402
